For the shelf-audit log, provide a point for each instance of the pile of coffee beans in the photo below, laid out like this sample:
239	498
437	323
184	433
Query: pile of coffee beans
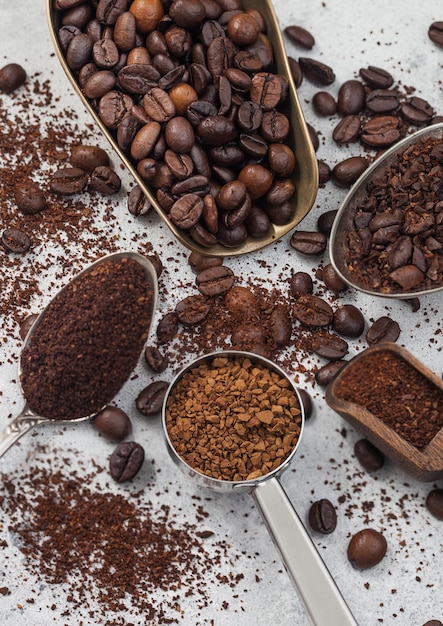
192	97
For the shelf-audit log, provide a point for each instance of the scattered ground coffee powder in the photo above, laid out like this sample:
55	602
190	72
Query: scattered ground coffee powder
88	341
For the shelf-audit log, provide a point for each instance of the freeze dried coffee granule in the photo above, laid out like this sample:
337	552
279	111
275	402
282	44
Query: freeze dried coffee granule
89	340
114	554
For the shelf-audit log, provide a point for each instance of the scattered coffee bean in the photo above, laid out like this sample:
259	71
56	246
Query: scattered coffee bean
332	280
199	262
326	373
12	76
324	172
351	97
383	329
368	455
150	399
433	622
317	72
300	36
312	311
68	181
324	103
301	283
435	33
347	130
325	221
346	172
323	516
138	203
216	280
366	548
15	240
167	327
376	77
192	310
434	503
112	423
348	321
157	361
87	158
308	242
30	198
105	180
126	461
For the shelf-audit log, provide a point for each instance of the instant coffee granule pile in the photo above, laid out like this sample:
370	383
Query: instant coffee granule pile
114	554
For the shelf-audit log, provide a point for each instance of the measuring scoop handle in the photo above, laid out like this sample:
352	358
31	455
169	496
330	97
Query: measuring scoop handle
15	429
323	601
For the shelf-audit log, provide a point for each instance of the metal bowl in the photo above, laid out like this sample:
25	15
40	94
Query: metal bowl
343	223
305	176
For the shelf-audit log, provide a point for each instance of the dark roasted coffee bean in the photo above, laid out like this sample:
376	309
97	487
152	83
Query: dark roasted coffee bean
231	154
257	222
300	36
179	134
280	325
417	111
351	98
348	321
215	281
400	252
368	455
187	13
155	360
296	71
181	165
253	145
329	346
347	129
195	185
382	100
376	77
108	11
274	126
346	172
332	280
383	329
216	130
14	240
113	423
138	78
150	399
68	180
325	374
12	76
280	214
313	135
199	262
324	172
88	157
308	242
312	311
280	192
105	180
29	197
126	461
113	107
145	140
317	72
433	622
125	30
381	131
192	310
138	203
79	51
167	327
435	33
324	103
434	503
105	54
202	236
366	548
301	283
307	403
325	221
281	159
26	325
322	516
240	81
159	105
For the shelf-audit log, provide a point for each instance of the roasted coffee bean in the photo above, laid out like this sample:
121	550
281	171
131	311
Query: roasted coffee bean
139	79
108	11
105	54
308	242
435	33
88	157
317	72
179	134
383	329
233	154
296	71
12	76
242	29
306	400
68	181
347	129
266	90
253	145
376	77
186	211
417	111
329	346
202	236
382	100
216	130
281	159
242	304
155	360
113	107
325	374
280	192
280	325
348	321
433	622
434	503
167	327
274	126
312	311
192	310
150	399
138	203
324	172
199	262
313	135
113	423
126	461
181	165
407	276
332	280
380	131
105	180
257	222
215	281
301	283
15	240
26	325
322	516
400	252
325	221
351	98
79	51
280	214
324	103
368	455
29	197
187	13
182	94
346	172
366	548
300	36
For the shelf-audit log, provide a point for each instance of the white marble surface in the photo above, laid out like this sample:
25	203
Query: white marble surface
406	588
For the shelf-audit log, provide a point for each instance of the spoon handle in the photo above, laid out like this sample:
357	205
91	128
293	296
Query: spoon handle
18	427
323	601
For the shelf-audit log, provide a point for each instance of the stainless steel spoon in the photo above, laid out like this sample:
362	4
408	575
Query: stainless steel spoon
28	419
323	601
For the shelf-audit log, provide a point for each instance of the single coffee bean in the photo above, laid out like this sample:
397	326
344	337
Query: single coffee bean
112	423
309	243
433	622
312	311
113	107
138	203
216	130
275	126
313	136
126	461
301	283
155	360
167	327
376	77
105	180
346	172
105	54
325	374
434	503
347	130
280	325
88	157
29	197
366	548
324	103
257	179
332	280
79	51
324	173
435	33
306	400
187	13
368	455
380	131
351	98
15	240
317	72
383	329
325	221
147	14
296	71
68	181
243	29
300	36
192	310
215	281
257	222
12	76
199	262
382	100
329	346
322	516
417	111
348	321
242	303
186	211
150	399
281	159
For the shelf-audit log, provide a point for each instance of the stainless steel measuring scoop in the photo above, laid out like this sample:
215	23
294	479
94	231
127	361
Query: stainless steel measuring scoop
28	419
323	601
